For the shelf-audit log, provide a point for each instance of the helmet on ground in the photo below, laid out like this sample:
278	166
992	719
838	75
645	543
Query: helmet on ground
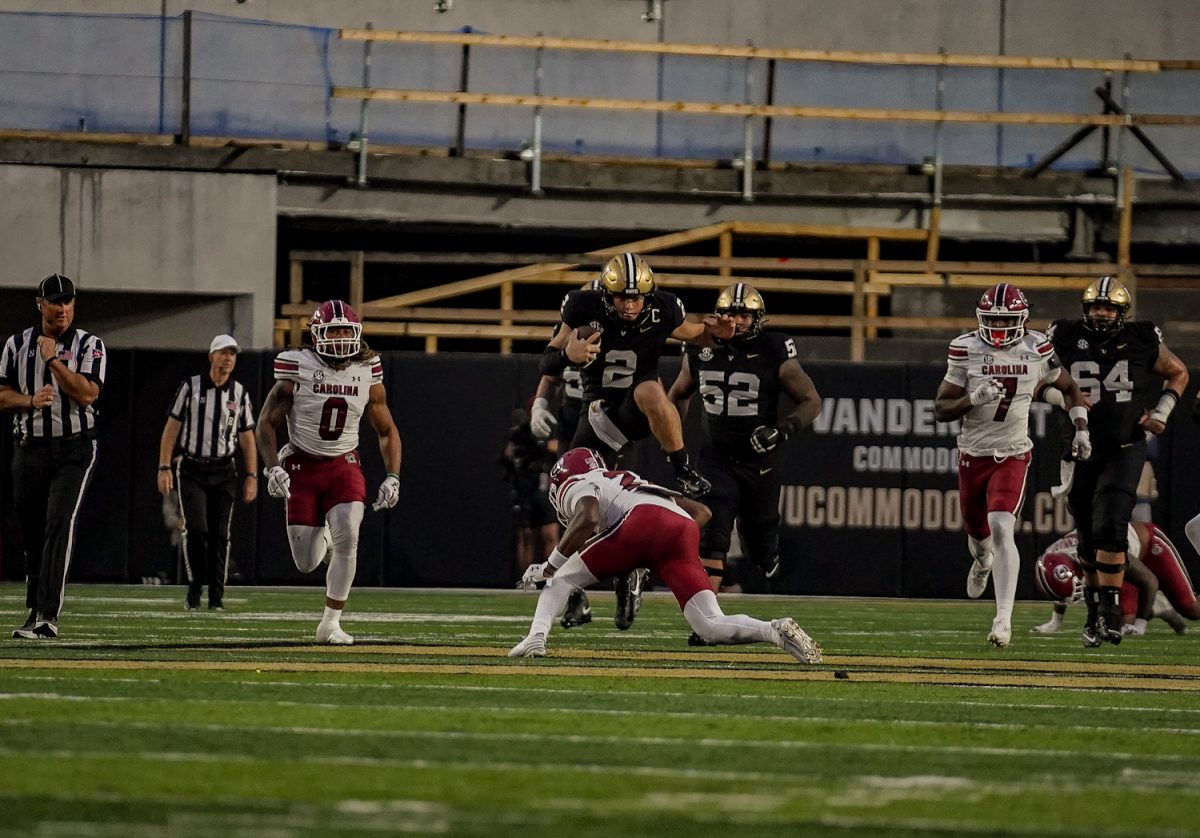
336	316
1058	576
1111	291
741	298
1002	313
575	463
625	275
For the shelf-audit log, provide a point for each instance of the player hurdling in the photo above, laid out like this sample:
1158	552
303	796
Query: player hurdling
989	384
615	522
322	393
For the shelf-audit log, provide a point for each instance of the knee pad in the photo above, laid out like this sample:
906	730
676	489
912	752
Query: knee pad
1109	567
714	564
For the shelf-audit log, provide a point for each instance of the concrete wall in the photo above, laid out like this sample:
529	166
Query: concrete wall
149	234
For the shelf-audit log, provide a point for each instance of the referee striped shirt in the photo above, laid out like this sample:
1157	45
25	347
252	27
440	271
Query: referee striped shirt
22	368
212	416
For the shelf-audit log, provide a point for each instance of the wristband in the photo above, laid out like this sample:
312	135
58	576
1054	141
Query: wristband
1078	412
394	474
1166	403
557	559
164	468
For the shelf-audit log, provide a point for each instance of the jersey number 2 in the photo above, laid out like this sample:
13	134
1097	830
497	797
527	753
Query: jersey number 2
333	418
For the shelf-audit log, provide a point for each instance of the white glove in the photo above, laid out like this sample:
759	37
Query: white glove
533	574
541	420
389	493
279	482
987	392
1066	476
1081	446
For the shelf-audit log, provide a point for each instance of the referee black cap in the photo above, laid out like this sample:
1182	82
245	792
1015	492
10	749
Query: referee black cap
56	288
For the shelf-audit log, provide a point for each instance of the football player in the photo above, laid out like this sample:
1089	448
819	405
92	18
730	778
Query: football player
990	380
322	392
1156	581
615	522
1133	382
626	323
740	382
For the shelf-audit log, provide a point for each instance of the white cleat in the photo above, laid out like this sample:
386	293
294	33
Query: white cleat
1001	633
332	635
533	646
1051	627
1132	630
977	579
796	642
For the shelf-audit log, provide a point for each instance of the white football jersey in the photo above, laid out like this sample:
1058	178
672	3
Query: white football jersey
327	403
1000	428
1069	544
617	492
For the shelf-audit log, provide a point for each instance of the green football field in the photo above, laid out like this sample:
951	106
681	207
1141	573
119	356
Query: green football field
144	719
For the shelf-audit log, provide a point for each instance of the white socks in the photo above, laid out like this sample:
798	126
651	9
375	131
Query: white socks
705	617
1006	562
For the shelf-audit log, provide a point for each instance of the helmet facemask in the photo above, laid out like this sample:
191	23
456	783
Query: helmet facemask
1107	290
626	275
741	298
1001	315
336	331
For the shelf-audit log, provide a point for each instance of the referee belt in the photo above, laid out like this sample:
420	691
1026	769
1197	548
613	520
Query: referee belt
208	461
58	441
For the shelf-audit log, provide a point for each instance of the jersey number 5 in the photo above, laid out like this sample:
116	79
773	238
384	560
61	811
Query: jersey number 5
333	418
741	400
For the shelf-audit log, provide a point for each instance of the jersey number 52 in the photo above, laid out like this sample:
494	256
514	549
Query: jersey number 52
737	396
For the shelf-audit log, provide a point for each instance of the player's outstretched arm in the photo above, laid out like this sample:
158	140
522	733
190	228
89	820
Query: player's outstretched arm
274	413
705	332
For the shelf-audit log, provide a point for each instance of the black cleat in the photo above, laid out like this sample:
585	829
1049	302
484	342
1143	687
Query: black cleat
46	630
629	597
578	610
25	632
769	568
1108	625
192	602
696	640
692	483
1091	640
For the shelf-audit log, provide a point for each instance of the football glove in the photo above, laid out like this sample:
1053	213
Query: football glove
765	438
987	392
541	420
1066	476
1081	445
534	574
389	493
279	482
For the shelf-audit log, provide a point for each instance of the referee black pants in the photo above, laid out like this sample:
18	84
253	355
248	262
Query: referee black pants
49	479
206	494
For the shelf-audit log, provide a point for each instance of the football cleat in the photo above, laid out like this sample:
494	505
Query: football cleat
769	568
25	632
1108	624
629	597
578	610
692	483
1133	630
1001	633
796	642
1090	637
533	646
1051	627
696	640
977	578
331	634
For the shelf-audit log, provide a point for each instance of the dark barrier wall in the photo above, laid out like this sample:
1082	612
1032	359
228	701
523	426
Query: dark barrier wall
869	495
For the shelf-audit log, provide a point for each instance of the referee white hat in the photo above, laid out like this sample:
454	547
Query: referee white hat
223	342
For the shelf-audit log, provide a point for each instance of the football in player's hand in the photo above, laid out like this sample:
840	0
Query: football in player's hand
585	332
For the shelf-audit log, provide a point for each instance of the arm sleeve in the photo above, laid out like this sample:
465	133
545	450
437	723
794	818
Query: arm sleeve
93	365
956	364
179	403
245	412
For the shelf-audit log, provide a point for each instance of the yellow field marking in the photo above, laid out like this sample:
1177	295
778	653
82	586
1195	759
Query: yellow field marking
532	669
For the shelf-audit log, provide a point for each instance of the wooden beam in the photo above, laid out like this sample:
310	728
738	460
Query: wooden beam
873	300
1023	62
506	307
295	280
935	230
725	250
644	246
858	340
487	282
826	231
357	279
1125	231
522	100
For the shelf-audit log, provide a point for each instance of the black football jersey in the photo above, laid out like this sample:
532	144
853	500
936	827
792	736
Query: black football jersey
629	352
1115	373
739	388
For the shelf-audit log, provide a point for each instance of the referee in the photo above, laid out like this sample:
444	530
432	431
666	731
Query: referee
50	376
210	418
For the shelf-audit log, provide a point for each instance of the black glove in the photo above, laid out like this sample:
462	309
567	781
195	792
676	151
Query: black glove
764	439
